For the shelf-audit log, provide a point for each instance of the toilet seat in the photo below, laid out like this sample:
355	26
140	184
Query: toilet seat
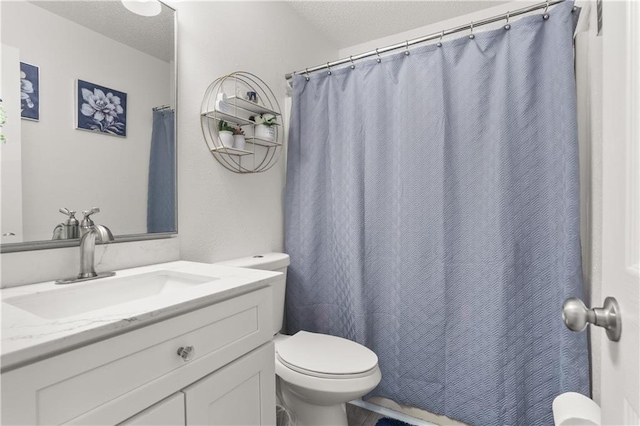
325	391
324	356
324	375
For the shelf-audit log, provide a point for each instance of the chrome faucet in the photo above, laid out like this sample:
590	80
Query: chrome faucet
91	234
98	233
69	229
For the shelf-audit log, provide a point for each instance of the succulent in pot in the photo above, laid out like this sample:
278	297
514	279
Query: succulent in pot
225	132
238	138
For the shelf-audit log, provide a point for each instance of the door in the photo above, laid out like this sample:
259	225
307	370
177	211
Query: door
241	393
620	392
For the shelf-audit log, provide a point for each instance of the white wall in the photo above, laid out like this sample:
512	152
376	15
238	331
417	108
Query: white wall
589	88
77	169
222	214
44	265
11	150
345	51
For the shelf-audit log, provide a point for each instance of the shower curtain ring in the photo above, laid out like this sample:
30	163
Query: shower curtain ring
406	52
507	26
471	36
353	66
306	71
329	69
546	9
378	60
439	43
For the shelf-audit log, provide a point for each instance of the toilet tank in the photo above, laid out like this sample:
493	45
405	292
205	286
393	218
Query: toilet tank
277	262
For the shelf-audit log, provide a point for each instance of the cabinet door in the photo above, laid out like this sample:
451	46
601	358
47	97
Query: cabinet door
241	393
168	412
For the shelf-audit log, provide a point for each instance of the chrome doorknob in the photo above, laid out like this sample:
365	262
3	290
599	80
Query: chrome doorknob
577	316
187	353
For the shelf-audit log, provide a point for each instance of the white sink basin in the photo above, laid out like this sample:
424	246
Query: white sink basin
83	297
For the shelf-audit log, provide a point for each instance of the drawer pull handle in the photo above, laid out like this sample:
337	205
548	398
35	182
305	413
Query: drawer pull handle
187	353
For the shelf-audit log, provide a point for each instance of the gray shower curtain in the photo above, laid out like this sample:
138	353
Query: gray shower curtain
432	214
161	199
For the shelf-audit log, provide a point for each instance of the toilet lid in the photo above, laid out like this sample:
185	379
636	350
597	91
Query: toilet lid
321	353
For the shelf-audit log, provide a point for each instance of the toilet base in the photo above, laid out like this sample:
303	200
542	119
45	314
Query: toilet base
306	414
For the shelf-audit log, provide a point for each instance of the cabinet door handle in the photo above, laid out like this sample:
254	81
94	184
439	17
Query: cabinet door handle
187	353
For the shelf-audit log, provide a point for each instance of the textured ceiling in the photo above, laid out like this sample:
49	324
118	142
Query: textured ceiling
152	35
350	22
345	22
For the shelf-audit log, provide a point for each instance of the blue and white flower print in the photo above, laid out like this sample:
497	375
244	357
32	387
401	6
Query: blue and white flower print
29	91
101	109
26	89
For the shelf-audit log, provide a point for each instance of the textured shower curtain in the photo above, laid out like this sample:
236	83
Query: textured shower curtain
161	199
432	214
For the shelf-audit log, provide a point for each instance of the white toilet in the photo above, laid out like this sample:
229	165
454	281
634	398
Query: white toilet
317	373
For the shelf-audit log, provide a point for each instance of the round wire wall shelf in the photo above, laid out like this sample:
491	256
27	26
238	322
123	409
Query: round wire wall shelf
238	102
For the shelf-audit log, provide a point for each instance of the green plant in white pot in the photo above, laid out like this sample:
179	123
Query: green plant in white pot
264	128
3	119
225	131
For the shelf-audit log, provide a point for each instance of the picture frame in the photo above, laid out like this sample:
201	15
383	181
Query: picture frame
100	109
29	92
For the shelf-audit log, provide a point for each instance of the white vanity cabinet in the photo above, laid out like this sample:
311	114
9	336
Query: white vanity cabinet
139	377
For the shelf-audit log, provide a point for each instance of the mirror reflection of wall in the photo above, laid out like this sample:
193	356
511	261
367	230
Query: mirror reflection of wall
95	85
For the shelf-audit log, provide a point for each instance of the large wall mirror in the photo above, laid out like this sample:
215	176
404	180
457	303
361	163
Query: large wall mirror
88	120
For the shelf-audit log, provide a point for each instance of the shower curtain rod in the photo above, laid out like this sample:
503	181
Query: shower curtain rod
406	44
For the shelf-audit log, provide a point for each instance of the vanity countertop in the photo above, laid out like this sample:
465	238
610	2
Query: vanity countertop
27	337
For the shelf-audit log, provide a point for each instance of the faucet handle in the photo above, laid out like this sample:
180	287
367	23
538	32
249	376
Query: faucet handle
86	221
88	213
66	211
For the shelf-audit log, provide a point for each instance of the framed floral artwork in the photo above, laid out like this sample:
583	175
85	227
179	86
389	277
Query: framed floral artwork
100	109
29	91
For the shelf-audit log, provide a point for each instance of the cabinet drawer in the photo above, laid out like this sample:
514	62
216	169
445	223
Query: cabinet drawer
168	412
67	386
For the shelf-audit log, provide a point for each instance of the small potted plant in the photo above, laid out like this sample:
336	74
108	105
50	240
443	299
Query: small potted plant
238	138
3	119
225	130
264	126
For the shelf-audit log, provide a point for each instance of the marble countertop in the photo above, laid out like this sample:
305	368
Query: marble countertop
27	337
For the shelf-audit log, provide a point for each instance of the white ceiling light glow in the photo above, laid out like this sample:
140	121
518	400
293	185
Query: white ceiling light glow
143	7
